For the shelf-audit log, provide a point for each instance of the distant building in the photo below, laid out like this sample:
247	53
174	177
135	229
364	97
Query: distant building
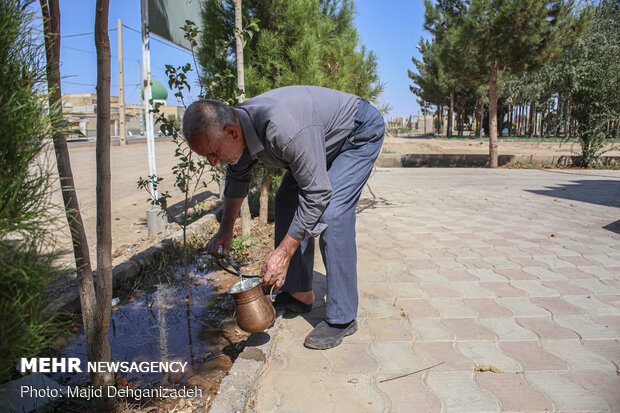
81	111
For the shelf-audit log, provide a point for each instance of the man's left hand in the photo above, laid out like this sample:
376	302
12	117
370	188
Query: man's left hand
275	267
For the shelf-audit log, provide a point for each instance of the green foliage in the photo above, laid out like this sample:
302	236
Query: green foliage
592	80
308	42
25	190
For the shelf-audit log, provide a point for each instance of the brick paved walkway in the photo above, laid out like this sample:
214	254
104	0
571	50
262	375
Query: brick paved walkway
518	269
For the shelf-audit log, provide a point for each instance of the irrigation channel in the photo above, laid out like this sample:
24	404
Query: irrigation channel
159	324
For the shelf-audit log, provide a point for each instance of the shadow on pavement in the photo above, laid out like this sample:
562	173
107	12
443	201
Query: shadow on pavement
317	314
604	192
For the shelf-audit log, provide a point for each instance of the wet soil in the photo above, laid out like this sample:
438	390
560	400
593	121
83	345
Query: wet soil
173	318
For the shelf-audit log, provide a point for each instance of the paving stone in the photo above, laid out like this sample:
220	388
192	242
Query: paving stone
578	260
525	262
350	358
586	328
458	275
566	287
553	261
406	290
522	307
452	308
460	393
566	395
557	306
487	252
436	352
389	329
534	289
471	289
611	322
409	394
415	254
503	289
577	356
431	329
501	262
532	356
298	358
378	308
595	286
395	357
468	329
487	275
438	290
284	392
474	263
421	264
608	349
417	308
487	307
463	253
605	260
613	300
591	305
487	353
507	329
546	328
561	251
605	385
544	274
516	274
600	273
513	393
572	273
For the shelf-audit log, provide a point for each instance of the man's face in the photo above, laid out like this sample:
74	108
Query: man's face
219	146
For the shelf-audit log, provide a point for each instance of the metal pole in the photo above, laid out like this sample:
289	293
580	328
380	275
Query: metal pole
146	71
121	86
141	101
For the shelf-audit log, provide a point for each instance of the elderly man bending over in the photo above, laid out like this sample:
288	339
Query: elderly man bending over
328	141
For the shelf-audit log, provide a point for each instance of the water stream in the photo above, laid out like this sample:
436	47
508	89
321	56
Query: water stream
160	324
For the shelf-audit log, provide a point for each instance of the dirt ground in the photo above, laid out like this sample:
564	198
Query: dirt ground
458	146
129	204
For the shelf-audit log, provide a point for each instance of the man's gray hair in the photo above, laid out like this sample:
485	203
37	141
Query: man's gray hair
202	115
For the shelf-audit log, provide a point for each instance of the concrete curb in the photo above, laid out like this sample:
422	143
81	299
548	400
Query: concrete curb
238	386
70	302
415	160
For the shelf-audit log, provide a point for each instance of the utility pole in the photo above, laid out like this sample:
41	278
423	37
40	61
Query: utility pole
141	101
156	219
121	86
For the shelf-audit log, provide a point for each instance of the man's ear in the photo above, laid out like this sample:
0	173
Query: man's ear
232	131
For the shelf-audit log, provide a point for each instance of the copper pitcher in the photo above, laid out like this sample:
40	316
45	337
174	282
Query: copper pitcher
255	312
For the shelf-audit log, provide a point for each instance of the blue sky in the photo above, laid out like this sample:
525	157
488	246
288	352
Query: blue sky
391	28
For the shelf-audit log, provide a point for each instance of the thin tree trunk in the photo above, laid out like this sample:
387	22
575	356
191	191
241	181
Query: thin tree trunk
424	115
264	196
568	121
101	344
246	218
510	110
493	152
450	115
51	19
532	122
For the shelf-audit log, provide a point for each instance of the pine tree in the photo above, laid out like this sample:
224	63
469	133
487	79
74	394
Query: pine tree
512	36
309	42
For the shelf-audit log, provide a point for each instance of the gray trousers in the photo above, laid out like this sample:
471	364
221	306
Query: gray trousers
348	174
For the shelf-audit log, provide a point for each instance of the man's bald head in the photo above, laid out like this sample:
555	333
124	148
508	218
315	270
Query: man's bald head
204	117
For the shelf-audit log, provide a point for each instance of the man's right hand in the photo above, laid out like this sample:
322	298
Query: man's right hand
221	238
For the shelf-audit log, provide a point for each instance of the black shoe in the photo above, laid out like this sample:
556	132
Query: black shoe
285	301
326	335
